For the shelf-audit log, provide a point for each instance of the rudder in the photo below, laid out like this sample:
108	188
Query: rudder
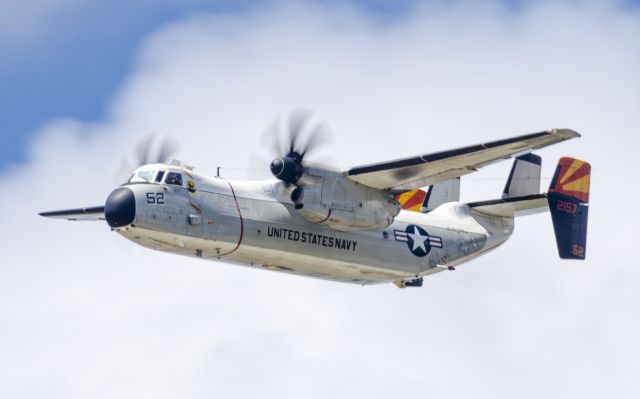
569	206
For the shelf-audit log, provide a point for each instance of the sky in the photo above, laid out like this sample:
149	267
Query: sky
85	313
66	58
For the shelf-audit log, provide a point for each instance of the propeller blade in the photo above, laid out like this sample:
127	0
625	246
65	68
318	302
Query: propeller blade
150	149
298	120
142	150
318	138
271	139
168	147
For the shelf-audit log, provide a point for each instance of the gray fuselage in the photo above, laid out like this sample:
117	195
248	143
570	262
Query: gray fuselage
254	223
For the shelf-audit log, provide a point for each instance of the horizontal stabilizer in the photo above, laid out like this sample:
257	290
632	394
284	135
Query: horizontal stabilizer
514	206
90	213
569	205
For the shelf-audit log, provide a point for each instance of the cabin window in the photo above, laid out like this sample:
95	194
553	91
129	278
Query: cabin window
173	178
143	176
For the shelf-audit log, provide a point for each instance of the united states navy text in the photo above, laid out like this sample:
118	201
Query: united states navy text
312	238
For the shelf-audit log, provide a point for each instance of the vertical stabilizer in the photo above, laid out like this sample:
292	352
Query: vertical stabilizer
441	193
569	206
424	201
412	200
524	178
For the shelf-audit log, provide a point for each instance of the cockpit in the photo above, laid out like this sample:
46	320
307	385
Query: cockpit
157	175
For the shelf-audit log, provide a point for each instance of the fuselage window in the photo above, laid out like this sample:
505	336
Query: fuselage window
174	178
144	176
159	177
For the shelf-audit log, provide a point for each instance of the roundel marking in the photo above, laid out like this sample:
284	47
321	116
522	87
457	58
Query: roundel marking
418	240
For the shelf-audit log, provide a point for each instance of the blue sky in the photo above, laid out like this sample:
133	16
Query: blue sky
70	66
70	63
67	60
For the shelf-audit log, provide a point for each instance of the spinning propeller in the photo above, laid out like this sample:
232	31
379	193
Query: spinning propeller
150	149
301	138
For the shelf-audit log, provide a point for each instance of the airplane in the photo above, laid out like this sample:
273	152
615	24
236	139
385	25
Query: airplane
369	224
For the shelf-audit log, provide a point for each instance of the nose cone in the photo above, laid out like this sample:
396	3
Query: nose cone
120	208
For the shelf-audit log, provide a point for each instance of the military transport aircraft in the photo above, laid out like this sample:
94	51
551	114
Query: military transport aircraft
368	224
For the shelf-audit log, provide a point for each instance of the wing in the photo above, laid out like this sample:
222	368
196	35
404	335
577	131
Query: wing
428	169
91	213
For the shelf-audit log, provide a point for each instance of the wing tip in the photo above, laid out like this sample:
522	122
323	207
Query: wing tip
565	133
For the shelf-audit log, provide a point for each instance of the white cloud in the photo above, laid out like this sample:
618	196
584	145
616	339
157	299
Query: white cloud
85	313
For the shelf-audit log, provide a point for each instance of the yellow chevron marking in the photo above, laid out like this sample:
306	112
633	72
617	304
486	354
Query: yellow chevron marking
404	197
581	185
575	165
196	207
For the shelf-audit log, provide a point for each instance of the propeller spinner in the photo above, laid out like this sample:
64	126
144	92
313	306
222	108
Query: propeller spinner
289	167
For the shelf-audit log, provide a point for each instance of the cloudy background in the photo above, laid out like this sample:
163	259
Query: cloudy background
85	313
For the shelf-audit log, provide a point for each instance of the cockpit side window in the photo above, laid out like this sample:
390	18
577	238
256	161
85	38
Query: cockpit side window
174	178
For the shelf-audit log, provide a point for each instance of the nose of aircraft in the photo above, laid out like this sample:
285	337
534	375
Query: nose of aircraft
120	208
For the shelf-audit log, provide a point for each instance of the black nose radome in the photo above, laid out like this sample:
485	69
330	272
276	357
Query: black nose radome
120	208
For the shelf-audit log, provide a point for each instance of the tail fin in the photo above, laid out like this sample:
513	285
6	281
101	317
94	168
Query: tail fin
441	193
412	200
524	178
569	206
424	201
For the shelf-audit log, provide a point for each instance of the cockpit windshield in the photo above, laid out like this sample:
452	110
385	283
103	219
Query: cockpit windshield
143	176
154	176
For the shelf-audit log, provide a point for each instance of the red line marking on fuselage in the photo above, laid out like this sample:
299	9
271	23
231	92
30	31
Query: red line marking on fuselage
325	219
235	199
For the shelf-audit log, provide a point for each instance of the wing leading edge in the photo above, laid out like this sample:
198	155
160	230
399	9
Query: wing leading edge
89	213
429	169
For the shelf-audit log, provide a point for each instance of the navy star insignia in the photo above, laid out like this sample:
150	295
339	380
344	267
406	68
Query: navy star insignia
418	240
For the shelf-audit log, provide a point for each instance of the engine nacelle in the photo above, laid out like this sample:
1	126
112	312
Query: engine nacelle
342	204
